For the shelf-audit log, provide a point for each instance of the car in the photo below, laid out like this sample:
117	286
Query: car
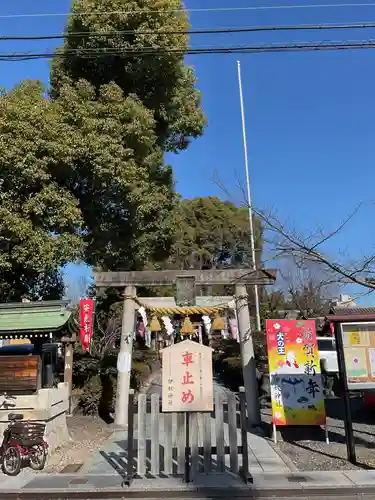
328	354
329	365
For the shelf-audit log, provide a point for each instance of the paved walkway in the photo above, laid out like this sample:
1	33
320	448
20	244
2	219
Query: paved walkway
262	457
103	474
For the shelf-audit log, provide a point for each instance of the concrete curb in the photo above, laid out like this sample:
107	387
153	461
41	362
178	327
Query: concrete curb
348	493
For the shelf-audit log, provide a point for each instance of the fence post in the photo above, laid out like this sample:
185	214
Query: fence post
142	416
181	443
245	450
155	454
219	428
194	445
168	443
187	477
232	424
207	446
130	473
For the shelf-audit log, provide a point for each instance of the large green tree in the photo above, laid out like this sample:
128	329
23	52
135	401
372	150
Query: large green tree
40	220
82	174
212	233
128	30
115	170
137	107
71	185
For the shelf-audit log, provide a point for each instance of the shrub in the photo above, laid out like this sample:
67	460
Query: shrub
260	351
231	373
91	396
85	367
98	396
140	373
227	363
224	348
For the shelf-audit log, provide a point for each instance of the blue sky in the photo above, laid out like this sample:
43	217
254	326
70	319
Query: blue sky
309	114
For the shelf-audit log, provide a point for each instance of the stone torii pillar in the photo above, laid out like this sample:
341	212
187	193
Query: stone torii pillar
247	355
189	278
124	359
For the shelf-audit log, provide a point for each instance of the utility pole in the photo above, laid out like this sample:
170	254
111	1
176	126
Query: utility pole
249	204
124	359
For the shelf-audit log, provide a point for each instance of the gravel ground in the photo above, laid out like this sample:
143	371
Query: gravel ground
306	446
87	436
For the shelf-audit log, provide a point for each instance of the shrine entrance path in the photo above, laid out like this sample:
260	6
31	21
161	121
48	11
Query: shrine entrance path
262	456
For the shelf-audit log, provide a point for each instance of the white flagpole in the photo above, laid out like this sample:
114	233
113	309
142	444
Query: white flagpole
256	295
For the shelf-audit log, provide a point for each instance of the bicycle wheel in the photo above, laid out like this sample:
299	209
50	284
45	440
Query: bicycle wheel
11	463
38	457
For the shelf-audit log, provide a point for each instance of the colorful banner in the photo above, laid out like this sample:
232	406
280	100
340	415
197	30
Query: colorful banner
86	317
294	366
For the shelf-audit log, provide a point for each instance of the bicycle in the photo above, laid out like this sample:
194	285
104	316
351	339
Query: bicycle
23	441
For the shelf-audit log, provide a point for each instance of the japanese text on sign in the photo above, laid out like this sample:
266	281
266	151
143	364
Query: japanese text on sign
187	377
187	396
280	344
86	323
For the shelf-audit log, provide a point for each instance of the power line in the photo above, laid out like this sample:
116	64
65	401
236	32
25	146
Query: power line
208	31
244	49
171	11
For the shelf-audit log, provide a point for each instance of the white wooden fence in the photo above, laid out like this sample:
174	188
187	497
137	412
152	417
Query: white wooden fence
159	446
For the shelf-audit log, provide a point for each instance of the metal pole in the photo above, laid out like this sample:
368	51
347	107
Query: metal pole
254	265
187	448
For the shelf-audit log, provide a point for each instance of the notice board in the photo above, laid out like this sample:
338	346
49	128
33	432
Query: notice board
359	352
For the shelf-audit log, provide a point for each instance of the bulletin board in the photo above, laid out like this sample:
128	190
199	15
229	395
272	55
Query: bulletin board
359	351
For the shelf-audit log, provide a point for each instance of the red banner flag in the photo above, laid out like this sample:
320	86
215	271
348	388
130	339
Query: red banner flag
86	315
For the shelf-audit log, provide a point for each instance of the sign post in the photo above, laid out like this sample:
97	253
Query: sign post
294	365
187	384
350	442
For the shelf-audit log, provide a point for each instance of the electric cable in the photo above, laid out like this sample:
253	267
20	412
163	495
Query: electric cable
198	10
209	31
244	49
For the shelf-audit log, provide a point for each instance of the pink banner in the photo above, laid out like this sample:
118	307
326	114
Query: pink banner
86	316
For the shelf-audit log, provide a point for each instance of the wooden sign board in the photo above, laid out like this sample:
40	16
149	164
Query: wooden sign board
187	381
19	373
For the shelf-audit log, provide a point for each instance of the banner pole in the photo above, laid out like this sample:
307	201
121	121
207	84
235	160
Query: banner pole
92	324
327	435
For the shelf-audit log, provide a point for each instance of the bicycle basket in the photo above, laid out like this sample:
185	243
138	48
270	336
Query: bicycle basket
28	432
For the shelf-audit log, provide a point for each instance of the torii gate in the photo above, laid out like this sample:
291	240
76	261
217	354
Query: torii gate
186	281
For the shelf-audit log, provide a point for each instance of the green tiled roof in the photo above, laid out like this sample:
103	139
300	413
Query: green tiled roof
46	316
